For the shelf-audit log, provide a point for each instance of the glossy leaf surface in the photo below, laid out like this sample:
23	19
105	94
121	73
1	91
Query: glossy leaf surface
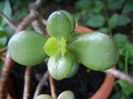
59	66
66	95
26	48
75	66
71	19
95	50
59	25
51	46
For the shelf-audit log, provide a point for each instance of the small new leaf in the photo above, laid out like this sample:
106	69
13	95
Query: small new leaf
51	46
63	46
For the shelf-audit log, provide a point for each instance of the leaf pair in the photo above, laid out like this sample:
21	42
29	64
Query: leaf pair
62	66
64	95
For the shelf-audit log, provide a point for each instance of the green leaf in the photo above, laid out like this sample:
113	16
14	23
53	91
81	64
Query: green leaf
0	21
96	21
71	19
113	21
2	33
23	10
121	65
120	37
75	66
117	95
131	59
26	48
97	7
95	50
3	42
83	4
59	66
51	46
7	10
114	4
66	95
59	25
123	20
9	31
104	30
63	46
128	7
127	88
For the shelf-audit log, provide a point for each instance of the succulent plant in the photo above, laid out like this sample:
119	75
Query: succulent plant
65	47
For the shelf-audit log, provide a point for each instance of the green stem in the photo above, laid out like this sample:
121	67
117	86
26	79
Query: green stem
107	17
126	61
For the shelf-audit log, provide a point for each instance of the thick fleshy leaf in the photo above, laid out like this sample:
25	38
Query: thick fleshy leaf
95	50
66	95
71	18
59	66
59	24
26	48
75	66
44	96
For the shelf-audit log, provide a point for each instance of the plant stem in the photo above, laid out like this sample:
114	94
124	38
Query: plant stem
27	78
40	85
126	61
5	74
52	86
107	17
38	25
26	21
120	75
8	21
3	50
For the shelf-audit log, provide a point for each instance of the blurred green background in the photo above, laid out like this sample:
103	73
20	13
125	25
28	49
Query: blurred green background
114	17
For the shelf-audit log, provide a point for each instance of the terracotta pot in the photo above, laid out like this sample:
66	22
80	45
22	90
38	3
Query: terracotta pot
105	89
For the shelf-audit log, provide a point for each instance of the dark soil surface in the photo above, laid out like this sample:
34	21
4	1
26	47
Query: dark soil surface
83	84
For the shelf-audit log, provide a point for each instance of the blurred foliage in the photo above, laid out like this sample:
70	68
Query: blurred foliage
4	33
21	7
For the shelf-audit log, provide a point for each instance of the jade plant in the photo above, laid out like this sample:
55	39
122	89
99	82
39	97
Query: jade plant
64	47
